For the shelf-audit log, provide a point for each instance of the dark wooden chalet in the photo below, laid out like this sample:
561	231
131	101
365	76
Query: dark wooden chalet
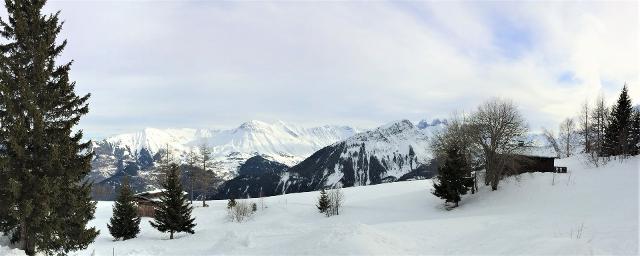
148	202
521	163
526	163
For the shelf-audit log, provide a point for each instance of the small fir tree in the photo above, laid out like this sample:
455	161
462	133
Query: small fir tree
125	223
174	213
323	202
452	181
231	203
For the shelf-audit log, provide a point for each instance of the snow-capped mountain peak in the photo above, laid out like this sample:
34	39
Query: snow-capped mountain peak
393	151
254	125
279	141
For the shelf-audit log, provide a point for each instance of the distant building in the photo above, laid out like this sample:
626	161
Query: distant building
148	201
532	159
528	163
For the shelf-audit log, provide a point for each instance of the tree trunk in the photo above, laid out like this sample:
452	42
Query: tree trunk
494	182
171	235
473	186
28	247
475	181
191	183
488	170
487	179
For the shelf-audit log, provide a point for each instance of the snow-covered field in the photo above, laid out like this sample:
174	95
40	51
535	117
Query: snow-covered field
587	211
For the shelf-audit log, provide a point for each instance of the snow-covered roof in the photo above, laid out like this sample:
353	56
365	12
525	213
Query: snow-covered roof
538	151
153	195
150	192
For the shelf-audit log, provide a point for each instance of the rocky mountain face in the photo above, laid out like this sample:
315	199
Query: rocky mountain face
384	154
396	151
137	154
256	177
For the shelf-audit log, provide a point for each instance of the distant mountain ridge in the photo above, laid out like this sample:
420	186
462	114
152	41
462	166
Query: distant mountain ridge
137	154
392	152
279	141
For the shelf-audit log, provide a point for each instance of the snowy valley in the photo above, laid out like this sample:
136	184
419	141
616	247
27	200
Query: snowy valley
577	213
138	128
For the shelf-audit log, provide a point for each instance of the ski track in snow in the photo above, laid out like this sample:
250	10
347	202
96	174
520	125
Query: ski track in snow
530	216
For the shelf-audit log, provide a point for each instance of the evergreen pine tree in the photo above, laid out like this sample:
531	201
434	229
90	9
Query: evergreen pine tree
323	202
452	181
125	222
618	136
174	213
43	160
231	203
635	133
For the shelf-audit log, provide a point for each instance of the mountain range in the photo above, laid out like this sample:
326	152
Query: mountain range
398	148
392	152
281	142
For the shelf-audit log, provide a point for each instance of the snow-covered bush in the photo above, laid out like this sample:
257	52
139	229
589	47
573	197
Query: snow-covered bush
240	211
577	232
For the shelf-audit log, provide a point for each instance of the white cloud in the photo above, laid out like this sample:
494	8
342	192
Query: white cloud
197	64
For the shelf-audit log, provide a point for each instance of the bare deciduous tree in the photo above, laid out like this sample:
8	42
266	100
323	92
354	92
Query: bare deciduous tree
567	136
585	127
204	180
165	160
192	160
336	197
551	139
499	129
599	118
457	134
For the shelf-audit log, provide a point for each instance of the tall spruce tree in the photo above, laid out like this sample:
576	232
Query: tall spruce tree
42	158
452	182
125	222
635	133
174	212
618	137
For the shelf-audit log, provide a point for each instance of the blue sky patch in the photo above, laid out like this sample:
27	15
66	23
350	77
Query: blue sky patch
568	78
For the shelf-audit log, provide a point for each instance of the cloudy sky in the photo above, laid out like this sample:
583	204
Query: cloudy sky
217	64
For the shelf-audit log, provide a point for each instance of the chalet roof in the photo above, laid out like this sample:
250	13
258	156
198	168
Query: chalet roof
538	151
150	192
153	195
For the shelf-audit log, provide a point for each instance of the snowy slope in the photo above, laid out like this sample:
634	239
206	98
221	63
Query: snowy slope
531	217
